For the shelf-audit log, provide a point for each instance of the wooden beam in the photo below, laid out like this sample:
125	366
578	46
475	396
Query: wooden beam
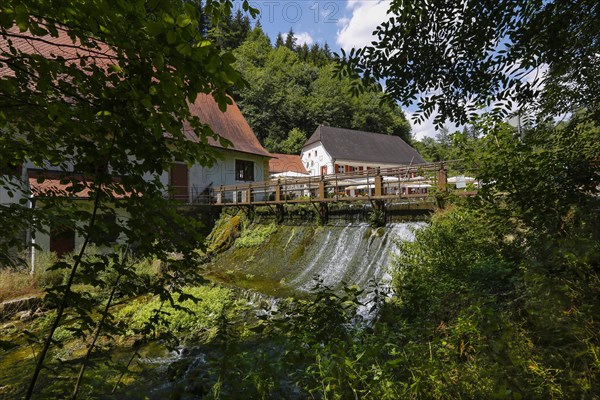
322	188
378	184
278	191
442	177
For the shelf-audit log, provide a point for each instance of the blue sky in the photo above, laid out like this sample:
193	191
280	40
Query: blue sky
313	21
339	23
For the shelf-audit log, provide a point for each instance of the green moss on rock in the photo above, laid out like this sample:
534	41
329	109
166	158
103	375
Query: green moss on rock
224	233
255	235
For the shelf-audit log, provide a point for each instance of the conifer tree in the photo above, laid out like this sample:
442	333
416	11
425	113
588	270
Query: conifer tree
303	52
290	40
238	30
327	51
258	33
279	41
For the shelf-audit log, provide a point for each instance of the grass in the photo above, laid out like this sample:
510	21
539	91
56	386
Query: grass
20	282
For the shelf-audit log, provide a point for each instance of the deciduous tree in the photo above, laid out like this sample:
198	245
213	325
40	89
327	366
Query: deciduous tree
455	57
95	86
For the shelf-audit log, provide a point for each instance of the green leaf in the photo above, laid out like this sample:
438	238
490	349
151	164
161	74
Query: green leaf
158	60
155	28
183	20
22	18
225	78
168	19
115	68
184	49
171	37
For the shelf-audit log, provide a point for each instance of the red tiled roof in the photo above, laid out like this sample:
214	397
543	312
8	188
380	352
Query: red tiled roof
286	163
231	125
53	47
59	184
51	187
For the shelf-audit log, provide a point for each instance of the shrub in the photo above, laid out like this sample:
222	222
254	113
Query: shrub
255	235
204	305
19	282
456	258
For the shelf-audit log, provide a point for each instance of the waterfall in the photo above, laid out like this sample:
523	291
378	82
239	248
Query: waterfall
289	260
354	255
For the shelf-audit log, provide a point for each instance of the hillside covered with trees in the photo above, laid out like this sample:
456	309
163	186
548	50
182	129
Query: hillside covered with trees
292	89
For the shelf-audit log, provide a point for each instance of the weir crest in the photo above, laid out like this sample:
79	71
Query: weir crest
289	260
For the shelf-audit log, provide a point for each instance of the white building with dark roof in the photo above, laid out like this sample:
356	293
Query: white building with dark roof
337	150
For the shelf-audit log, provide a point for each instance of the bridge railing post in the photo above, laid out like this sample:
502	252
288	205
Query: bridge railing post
442	177
399	189
278	191
378	183
336	188
322	187
220	195
267	191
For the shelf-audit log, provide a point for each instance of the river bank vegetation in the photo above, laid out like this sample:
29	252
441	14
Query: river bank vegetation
497	297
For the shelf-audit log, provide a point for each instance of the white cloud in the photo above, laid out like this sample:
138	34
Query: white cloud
427	128
303	37
422	130
352	3
366	16
537	75
343	21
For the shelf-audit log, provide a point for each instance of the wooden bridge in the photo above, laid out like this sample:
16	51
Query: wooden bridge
402	184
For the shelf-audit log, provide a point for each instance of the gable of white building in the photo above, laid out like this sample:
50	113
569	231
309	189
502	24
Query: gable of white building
338	150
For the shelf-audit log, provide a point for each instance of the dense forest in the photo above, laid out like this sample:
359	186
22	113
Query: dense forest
292	89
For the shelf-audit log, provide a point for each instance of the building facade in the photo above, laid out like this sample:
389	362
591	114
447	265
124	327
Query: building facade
337	150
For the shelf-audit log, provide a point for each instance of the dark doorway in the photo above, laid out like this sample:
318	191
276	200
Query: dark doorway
179	182
62	240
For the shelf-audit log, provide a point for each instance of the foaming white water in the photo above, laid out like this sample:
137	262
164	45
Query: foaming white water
352	255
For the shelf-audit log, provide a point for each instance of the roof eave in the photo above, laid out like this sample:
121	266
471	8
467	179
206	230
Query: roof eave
243	152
